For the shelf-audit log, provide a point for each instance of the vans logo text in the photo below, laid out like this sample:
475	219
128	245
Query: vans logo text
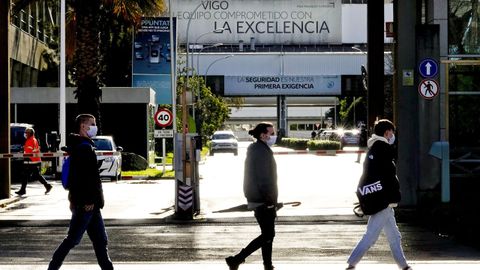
374	187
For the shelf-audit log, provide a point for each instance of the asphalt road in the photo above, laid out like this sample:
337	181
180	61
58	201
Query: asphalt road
326	242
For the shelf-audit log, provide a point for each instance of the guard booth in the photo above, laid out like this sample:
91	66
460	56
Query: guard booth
187	188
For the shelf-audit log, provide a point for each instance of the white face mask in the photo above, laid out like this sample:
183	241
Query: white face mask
92	132
272	140
392	139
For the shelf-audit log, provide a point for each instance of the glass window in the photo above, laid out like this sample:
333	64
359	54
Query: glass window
463	31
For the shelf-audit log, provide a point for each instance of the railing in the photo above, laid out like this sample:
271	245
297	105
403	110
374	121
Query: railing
465	162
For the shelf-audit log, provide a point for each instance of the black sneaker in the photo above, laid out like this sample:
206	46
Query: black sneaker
48	188
20	192
269	267
233	262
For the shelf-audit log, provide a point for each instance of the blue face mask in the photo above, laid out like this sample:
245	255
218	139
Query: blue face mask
392	139
92	132
272	140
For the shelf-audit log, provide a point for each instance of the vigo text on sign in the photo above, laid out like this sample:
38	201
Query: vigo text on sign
428	88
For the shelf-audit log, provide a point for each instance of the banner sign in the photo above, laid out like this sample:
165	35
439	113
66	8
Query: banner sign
315	85
151	64
267	21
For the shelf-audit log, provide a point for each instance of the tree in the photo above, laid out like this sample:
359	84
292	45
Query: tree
211	110
87	23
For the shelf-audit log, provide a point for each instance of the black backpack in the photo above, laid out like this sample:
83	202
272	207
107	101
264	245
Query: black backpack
371	191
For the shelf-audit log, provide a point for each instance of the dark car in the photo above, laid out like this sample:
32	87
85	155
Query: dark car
17	140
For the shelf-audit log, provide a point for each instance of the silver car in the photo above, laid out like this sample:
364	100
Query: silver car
109	157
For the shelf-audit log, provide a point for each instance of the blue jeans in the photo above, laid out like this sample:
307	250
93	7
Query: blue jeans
82	221
385	220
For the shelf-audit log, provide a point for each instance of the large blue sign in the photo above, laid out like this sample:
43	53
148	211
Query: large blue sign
151	64
428	68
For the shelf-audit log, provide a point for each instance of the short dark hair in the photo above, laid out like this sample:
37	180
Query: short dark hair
383	125
259	129
82	118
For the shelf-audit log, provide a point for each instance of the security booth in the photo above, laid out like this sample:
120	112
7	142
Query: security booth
126	114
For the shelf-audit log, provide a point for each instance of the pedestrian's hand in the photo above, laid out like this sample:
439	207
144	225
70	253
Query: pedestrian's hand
88	207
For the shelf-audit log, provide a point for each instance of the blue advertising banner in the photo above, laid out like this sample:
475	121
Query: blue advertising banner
151	59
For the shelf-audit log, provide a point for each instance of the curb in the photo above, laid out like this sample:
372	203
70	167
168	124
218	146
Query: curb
5	202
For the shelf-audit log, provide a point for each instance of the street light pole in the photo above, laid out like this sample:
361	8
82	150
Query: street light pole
211	64
218	30
208	47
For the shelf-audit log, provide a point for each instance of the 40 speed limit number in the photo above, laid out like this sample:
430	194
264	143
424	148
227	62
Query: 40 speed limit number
163	118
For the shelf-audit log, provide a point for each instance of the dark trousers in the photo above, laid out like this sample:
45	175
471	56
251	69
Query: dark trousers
82	221
32	172
266	220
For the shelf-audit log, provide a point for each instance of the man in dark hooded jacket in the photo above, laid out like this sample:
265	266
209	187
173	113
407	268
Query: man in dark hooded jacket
85	196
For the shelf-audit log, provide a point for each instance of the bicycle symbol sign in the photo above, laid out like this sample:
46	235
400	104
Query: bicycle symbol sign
428	89
163	118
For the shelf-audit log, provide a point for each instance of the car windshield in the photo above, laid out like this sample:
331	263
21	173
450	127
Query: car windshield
104	145
223	136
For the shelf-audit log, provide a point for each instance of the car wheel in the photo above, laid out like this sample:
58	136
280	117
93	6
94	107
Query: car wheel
116	178
235	153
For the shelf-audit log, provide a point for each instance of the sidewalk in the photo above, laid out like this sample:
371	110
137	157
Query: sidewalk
125	200
420	265
141	202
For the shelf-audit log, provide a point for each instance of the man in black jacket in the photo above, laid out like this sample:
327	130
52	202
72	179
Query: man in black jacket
260	189
378	193
85	196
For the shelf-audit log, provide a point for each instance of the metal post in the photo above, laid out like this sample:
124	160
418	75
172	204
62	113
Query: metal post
4	99
375	61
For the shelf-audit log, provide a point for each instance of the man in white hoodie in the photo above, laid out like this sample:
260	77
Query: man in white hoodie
379	192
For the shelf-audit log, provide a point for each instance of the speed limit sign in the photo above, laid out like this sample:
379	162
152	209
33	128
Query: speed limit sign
163	118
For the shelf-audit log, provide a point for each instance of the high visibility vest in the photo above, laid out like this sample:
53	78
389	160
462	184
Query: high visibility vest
31	146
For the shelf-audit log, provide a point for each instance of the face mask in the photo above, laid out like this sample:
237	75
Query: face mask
92	132
25	135
392	139
271	141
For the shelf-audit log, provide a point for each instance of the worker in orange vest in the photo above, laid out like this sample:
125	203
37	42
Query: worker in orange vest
32	164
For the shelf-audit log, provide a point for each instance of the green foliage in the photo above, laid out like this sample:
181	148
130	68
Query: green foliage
293	143
323	145
211	110
303	144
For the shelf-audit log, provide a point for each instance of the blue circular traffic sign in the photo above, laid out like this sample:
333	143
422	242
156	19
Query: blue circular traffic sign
428	68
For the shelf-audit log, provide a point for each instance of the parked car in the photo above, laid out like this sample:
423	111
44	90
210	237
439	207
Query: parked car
224	141
330	134
349	138
110	164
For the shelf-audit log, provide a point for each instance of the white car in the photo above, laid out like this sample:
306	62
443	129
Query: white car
110	162
224	141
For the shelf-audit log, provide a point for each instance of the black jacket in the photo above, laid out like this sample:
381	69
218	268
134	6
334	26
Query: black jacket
84	184
379	165
260	177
